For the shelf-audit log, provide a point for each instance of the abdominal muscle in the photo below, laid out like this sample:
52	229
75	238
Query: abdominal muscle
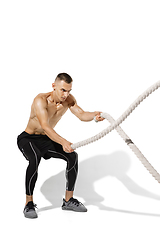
34	127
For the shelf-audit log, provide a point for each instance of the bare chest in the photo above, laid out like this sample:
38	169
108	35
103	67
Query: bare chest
55	112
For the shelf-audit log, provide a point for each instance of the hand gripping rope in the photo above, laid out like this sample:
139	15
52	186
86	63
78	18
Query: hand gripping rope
115	125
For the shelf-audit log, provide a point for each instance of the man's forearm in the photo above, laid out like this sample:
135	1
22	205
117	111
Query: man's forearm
52	134
88	116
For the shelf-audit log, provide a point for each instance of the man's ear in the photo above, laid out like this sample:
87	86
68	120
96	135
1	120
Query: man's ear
53	86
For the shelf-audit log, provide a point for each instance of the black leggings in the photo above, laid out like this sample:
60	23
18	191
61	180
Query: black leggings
34	147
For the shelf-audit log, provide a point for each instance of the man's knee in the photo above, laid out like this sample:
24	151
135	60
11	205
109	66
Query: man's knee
75	157
73	160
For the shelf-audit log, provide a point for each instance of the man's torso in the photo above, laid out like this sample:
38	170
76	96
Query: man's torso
55	112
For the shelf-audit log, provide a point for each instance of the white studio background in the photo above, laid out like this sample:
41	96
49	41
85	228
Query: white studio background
111	49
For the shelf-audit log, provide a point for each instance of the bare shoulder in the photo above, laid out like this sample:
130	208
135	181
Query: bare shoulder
41	100
71	100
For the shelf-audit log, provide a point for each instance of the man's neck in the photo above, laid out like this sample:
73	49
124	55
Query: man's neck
54	99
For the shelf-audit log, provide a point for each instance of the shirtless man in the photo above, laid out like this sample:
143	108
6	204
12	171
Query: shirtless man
40	140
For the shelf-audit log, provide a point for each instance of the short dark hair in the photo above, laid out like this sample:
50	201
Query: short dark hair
64	77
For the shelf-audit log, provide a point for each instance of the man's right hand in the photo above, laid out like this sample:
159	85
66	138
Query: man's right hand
67	146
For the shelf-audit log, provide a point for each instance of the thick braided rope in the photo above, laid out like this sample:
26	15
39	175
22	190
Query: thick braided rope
134	148
120	119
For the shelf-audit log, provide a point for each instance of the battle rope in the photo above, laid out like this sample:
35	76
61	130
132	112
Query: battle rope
115	125
136	151
120	119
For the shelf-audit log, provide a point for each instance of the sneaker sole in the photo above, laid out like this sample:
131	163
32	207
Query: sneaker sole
31	215
71	209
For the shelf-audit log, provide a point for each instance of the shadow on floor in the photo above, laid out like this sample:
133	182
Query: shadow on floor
91	170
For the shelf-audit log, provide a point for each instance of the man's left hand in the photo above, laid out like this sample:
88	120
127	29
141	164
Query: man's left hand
98	117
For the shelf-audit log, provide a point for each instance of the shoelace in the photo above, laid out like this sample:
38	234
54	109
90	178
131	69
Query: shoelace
33	206
75	201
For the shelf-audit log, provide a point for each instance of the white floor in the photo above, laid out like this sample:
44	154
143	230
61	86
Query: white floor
111	49
121	196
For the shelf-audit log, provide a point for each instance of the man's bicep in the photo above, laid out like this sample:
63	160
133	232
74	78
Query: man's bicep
76	110
41	111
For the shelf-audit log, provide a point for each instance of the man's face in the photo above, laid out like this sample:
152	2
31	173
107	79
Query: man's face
62	90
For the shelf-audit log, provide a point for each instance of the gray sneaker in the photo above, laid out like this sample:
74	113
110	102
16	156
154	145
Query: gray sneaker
74	205
29	210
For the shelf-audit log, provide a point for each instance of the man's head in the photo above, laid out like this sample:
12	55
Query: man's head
62	87
65	77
